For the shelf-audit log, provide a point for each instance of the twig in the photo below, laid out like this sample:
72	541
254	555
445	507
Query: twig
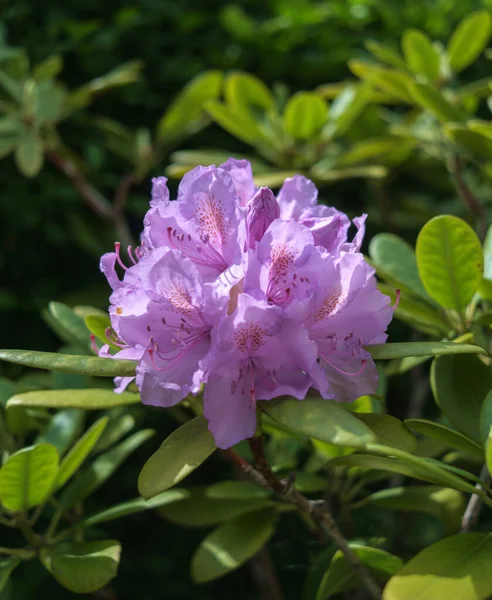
455	167
317	509
98	203
472	512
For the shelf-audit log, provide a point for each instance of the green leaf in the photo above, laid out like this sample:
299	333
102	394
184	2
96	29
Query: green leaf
232	544
460	385
488	453
70	363
62	429
245	92
450	261
449	437
7	565
340	575
304	115
186	113
432	100
236	490
430	472
72	324
97	325
320	419
346	107
444	503
135	506
178	456
83	567
486	417
394	256
202	509
487	255
389	431
27	477
79	452
236	123
49	68
421	56
101	469
385	54
469	139
120	423
456	567
402	349
29	154
88	399
319	171
392	82
469	40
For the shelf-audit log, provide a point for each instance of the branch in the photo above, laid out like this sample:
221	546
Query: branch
455	167
472	512
317	509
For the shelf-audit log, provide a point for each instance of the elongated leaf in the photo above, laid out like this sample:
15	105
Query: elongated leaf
429	473
469	140
449	437
469	40
460	385
421	56
389	431
29	154
101	469
340	575
241	126
83	567
394	256
27	477
200	509
320	419
178	456
79	452
89	399
62	429
7	565
385	54
49	68
486	417
135	506
456	567
488	453
444	503
304	115
450	261
71	323
244	92
392	82
69	363
432	100
236	490
232	544
346	107
403	349
97	325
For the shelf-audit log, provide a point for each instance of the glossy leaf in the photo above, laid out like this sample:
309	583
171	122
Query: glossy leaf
432	100
178	456
62	429
83	567
320	419
420	55
394	256
70	363
486	417
488	453
88	399
232	544
81	450
346	107
469	40
244	92
135	506
444	503
186	113
389	431
456	567
27	477
403	349
97	325
29	154
202	509
304	115
101	469
449	437
460	385
450	261
7	565
71	323
340	575
239	125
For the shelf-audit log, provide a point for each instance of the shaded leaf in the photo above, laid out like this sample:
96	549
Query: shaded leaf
449	437
88	399
389	431
432	100
403	349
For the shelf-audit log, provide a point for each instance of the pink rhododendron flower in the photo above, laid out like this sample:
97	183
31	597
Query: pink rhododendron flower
252	295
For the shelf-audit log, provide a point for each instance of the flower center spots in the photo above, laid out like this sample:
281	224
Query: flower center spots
331	302
211	220
250	338
280	261
180	300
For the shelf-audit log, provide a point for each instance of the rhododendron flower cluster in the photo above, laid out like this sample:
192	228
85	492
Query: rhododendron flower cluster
253	295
